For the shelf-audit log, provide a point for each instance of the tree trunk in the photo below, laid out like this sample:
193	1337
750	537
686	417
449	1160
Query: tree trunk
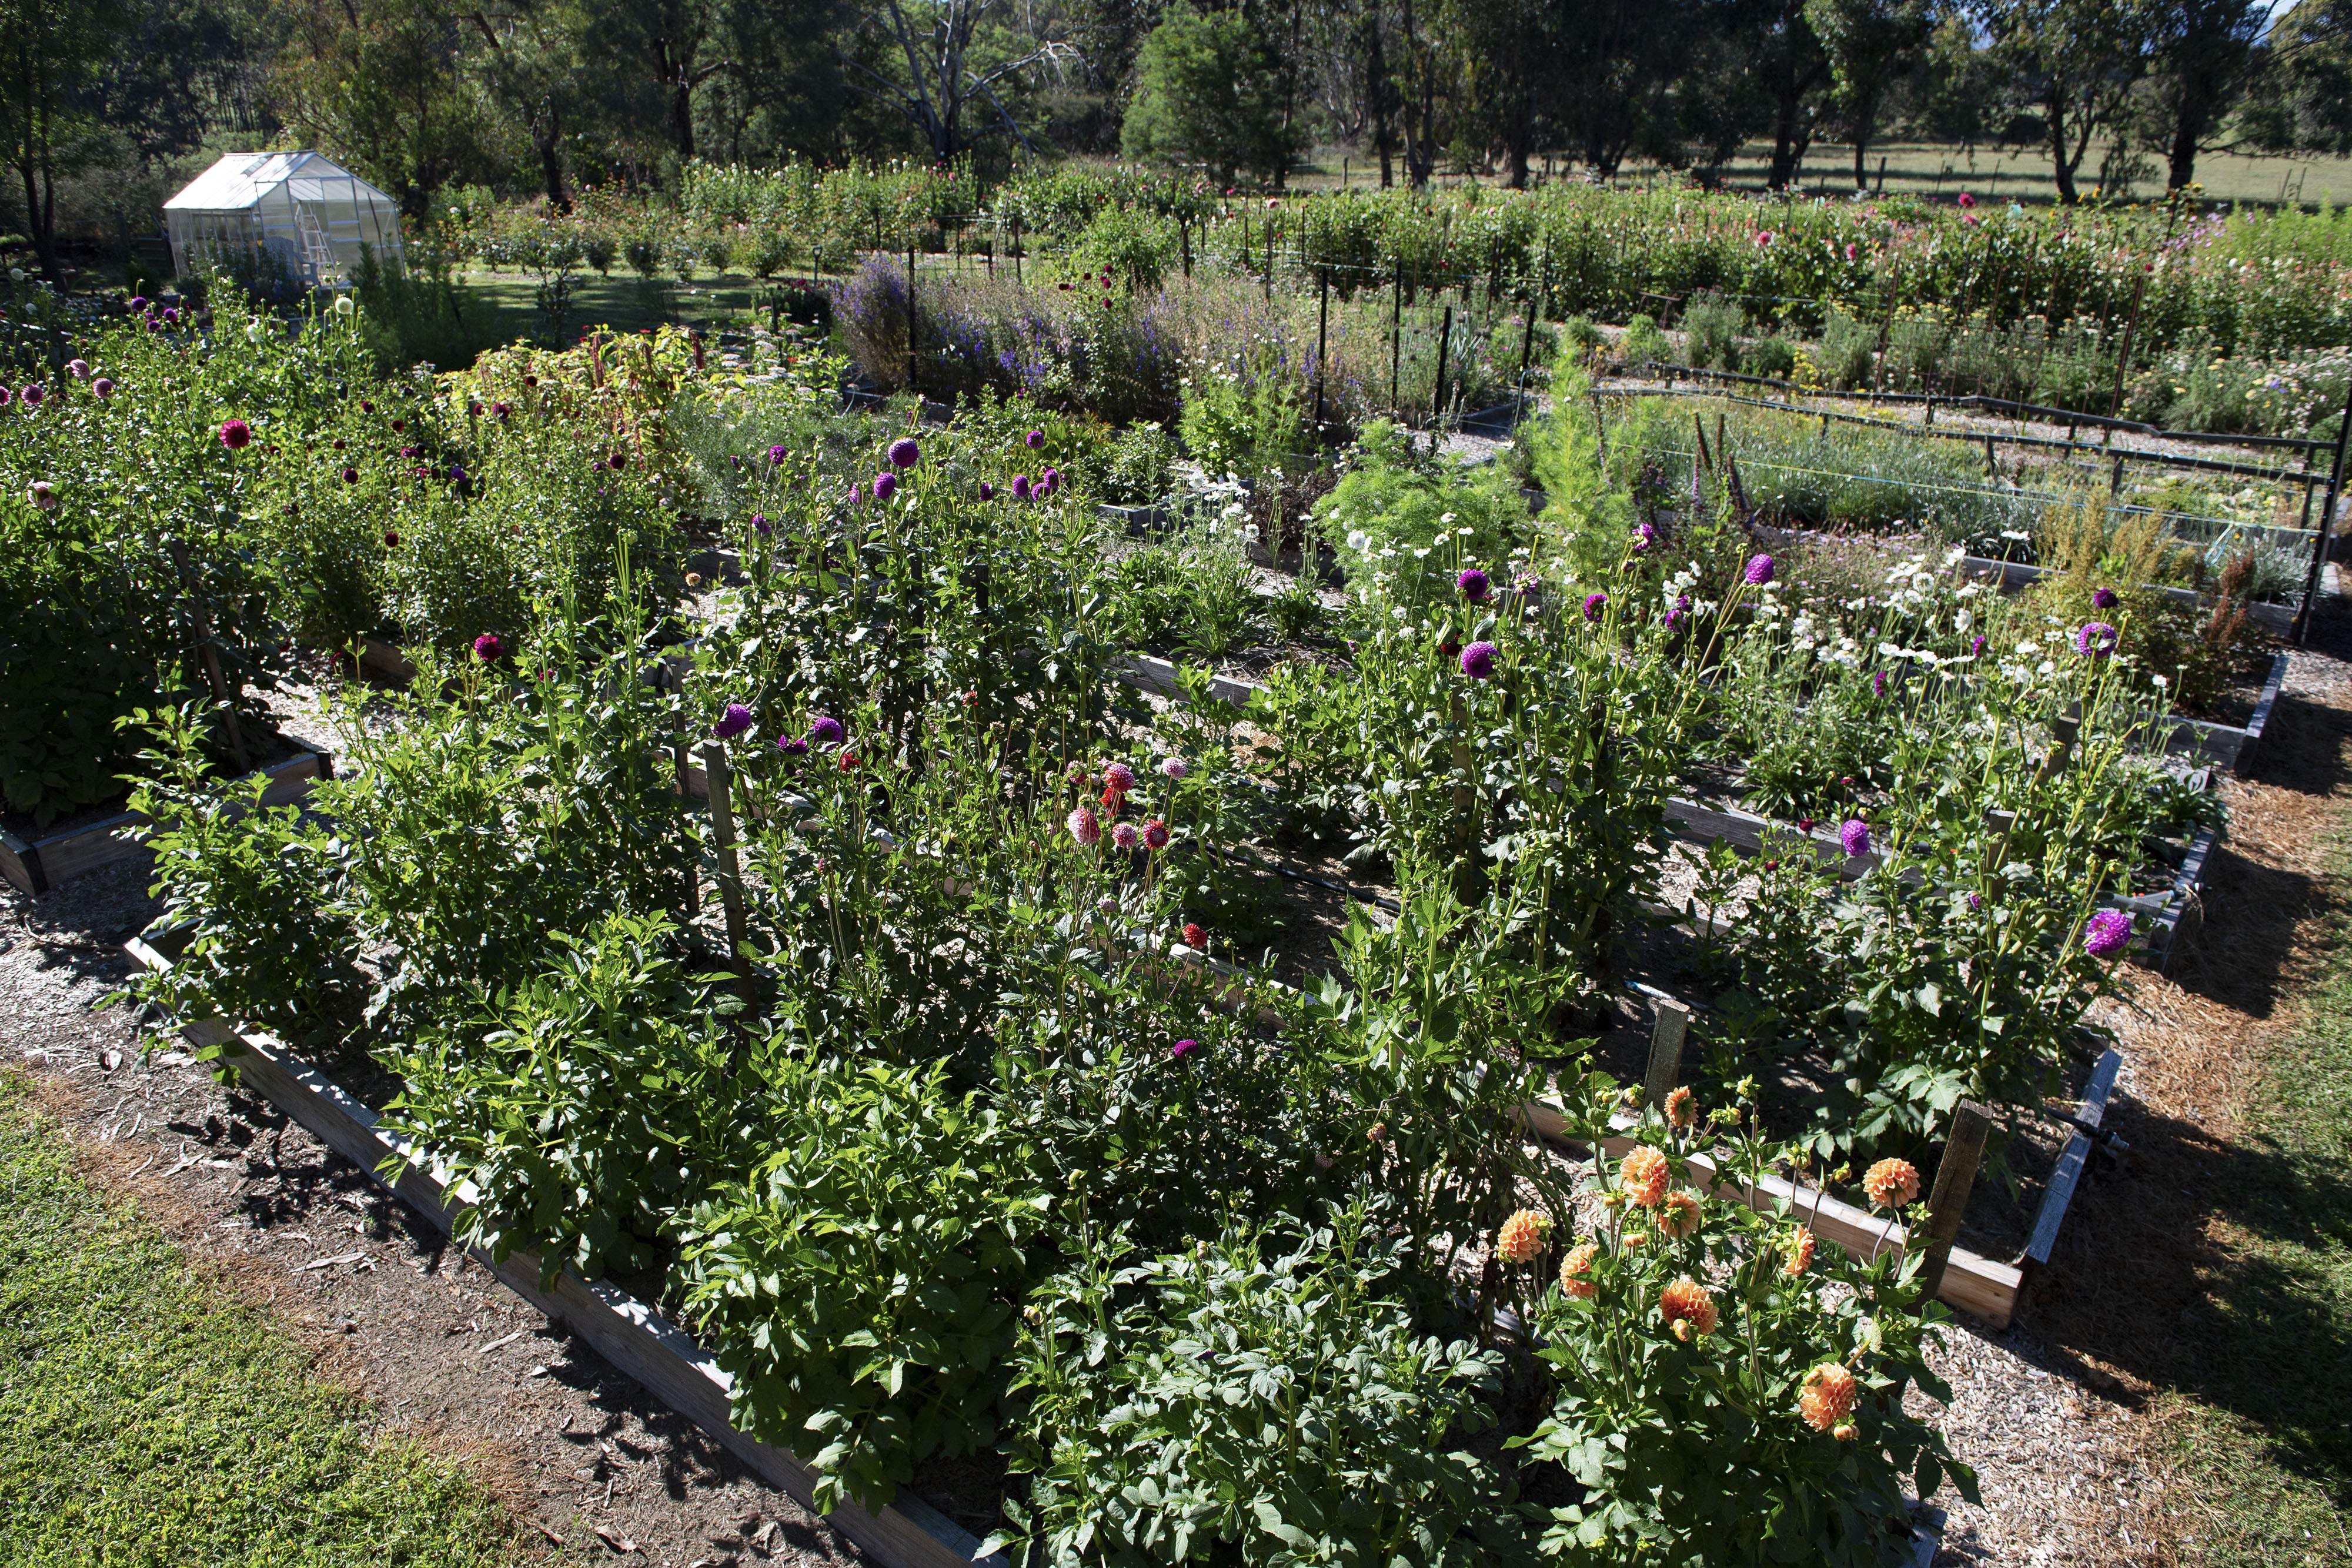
1786	148
681	117
551	168
2060	166
2187	128
1376	79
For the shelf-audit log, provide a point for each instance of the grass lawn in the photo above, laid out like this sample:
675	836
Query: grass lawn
2266	1448
146	1417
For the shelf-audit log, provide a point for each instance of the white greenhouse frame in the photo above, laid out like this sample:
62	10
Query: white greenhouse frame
312	215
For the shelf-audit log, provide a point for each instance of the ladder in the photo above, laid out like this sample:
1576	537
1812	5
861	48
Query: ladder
318	251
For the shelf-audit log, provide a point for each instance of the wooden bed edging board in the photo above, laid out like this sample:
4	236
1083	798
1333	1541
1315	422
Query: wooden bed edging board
627	1333
2072	1159
2165	914
2277	619
1979	1286
37	864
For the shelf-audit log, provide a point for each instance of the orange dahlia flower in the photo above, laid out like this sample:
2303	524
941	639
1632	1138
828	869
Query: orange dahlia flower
1681	1216
1522	1236
1891	1184
1801	1253
1576	1272
1686	1300
1682	1107
1644	1175
1825	1398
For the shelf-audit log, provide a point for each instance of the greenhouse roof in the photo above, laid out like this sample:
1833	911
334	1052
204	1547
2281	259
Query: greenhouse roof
241	179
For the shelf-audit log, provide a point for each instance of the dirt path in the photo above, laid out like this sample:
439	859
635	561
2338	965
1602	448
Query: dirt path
592	1466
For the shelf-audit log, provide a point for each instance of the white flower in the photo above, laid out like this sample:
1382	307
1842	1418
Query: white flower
1396	611
1963	622
1446	519
1422	554
1359	541
2045	668
2161	681
344	305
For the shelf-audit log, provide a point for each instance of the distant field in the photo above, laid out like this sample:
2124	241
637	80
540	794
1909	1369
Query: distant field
1946	170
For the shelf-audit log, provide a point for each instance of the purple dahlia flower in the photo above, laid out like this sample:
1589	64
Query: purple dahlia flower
823	731
1021	486
884	485
2106	933
1853	837
1183	1047
1760	570
733	722
1478	661
904	453
1035	439
2105	598
1472	584
791	746
1644	536
987	491
2096	640
1593	604
487	647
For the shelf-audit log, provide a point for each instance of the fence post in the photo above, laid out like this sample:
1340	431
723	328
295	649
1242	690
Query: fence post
209	655
722	836
1667	1035
2326	518
1322	346
1437	388
911	323
2123	357
1954	1174
680	758
1396	333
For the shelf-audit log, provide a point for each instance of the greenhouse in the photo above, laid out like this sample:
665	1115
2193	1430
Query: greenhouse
309	216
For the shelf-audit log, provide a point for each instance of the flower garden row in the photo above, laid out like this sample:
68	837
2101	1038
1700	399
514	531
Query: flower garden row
915	1124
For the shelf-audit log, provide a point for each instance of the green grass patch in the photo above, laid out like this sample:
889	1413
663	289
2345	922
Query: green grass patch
2268	1417
148	1418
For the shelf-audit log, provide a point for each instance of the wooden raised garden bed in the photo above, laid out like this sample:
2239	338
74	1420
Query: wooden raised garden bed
625	1331
38	864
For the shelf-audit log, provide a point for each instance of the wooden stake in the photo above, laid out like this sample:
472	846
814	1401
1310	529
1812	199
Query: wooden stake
722	834
1667	1037
679	758
210	656
1954	1174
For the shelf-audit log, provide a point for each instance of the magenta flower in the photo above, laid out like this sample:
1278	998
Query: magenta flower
1125	836
1976	646
7	397
236	434
1472	584
350	476
1120	777
760	524
1478	661
2096	640
791	746
487	647
78	369
33	393
2107	934
1021	486
1183	1047
823	731
733	722
1593	604
904	453
884	485
2104	598
1175	767
1855	837
1645	534
1035	439
1760	570
1155	834
1050	480
1085	828
103	387
1878	683
987	491
776	454
1965	200
1678	610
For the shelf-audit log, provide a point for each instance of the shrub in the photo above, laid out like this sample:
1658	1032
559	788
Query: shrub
1258	1400
1712	328
1643	342
1849	351
861	1284
586	1104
